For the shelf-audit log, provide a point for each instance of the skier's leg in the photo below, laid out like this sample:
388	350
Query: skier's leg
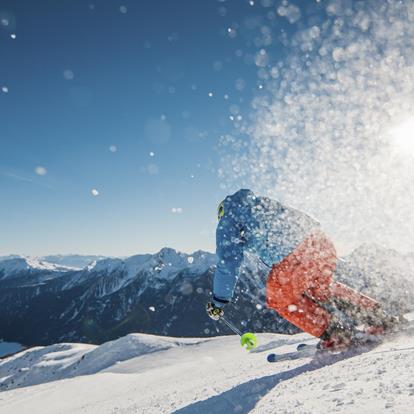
297	285
362	309
316	263
342	292
297	309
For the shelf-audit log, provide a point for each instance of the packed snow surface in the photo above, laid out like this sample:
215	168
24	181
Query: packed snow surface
149	374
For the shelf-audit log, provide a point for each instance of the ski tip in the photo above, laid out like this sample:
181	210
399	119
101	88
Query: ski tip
271	358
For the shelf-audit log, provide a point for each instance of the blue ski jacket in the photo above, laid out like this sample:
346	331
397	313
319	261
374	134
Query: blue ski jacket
258	225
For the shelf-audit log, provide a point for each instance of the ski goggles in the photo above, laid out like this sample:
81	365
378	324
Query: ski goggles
220	210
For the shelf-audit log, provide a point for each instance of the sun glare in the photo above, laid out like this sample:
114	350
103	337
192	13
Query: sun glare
403	136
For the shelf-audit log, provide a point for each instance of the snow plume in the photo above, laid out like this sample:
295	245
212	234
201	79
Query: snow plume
327	131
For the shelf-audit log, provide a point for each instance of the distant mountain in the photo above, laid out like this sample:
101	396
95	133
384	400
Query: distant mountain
10	256
29	269
73	261
165	294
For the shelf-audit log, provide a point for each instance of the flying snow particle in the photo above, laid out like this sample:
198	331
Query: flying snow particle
94	192
123	9
152	154
13	36
222	11
113	148
240	84
190	259
232	32
68	74
210	94
173	37
234	109
226	97
292	308
153	169
152	309
5	89
259	306
251	2
40	170
218	65
176	210
261	58
291	12
5	22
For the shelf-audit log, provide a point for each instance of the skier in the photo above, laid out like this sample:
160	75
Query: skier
300	285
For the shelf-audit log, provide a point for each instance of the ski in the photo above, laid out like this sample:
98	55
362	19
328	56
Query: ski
302	350
361	344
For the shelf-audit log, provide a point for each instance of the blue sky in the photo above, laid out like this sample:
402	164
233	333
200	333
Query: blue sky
111	112
129	99
82	76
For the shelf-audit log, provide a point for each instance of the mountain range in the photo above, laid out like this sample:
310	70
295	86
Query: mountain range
53	299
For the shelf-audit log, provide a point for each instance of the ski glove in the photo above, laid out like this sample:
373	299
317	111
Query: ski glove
214	311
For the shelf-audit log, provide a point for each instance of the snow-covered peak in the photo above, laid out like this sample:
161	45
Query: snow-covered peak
9	257
10	267
155	268
164	263
105	265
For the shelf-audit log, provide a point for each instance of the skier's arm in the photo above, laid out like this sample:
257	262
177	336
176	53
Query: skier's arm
229	251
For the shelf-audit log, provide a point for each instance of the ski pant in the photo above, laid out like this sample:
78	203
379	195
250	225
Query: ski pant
299	286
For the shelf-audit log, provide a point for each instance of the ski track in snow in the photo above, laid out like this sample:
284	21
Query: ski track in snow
148	374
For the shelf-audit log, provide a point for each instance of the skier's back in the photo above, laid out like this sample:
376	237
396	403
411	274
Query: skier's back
300	285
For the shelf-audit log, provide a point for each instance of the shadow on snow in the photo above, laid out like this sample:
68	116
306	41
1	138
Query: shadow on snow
244	397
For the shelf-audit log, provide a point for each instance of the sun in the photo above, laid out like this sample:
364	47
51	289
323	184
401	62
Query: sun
403	136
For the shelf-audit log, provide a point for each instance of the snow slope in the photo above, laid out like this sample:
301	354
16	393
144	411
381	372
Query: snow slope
148	374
